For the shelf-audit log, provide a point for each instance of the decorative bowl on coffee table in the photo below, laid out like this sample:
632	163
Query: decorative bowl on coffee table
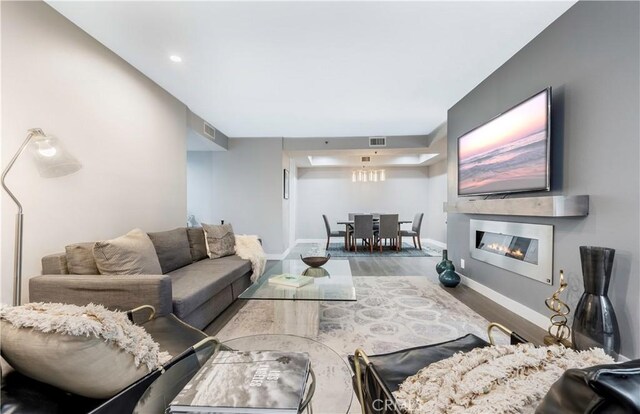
316	272
315	261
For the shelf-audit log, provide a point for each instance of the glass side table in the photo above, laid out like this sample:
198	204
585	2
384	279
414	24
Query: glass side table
166	387
333	389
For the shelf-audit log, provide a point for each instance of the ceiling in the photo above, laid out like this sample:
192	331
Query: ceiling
378	157
300	69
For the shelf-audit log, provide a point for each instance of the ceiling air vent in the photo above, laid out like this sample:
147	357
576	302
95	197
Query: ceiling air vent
377	141
365	159
209	131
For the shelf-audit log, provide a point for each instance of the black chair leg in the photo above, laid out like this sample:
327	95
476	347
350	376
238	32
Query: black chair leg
414	242
419	243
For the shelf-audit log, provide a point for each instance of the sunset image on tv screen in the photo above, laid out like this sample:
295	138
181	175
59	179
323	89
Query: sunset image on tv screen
507	154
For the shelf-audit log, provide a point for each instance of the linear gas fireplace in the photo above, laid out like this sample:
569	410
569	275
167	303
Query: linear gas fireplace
526	249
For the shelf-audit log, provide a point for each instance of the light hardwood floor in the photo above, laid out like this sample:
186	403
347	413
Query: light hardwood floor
417	266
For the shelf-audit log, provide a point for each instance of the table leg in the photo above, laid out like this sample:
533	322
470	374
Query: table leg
346	237
297	317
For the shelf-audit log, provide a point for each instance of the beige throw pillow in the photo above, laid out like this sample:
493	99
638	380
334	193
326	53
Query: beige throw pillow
80	260
131	254
87	350
220	240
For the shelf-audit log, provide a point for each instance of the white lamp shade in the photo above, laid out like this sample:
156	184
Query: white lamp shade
51	158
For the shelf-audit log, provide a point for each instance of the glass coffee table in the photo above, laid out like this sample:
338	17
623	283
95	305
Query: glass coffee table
297	310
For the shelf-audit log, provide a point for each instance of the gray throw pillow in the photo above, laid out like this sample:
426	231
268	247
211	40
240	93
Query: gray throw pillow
172	247
197	243
220	240
131	254
80	259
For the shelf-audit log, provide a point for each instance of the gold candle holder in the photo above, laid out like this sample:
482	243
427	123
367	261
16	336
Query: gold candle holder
559	331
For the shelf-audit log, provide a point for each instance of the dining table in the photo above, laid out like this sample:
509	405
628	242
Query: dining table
348	225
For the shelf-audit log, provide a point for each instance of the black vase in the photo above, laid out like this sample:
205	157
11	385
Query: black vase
444	263
594	321
449	278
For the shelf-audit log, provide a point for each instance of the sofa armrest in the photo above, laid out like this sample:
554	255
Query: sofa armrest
121	292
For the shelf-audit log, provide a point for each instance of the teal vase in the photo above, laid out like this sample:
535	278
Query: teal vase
449	278
444	264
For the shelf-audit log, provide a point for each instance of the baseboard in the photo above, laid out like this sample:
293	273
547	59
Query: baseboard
311	241
435	243
519	309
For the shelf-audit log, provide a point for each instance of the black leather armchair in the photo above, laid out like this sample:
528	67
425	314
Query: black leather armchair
20	394
377	376
602	389
149	395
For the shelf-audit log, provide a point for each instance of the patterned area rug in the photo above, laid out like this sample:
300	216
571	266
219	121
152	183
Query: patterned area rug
338	250
391	313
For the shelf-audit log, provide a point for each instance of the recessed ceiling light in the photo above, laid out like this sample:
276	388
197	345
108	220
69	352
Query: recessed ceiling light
175	58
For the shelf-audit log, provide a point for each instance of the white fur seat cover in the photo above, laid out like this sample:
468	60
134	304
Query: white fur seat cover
495	379
87	350
249	248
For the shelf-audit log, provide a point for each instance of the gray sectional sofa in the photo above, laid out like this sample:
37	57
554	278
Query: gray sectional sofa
193	287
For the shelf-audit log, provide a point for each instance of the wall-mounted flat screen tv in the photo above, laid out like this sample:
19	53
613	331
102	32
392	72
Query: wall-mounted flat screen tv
510	153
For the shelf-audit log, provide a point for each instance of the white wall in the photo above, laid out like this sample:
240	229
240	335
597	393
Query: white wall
247	189
330	191
199	181
127	131
435	219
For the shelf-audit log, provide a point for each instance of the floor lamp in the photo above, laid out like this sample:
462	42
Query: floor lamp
52	161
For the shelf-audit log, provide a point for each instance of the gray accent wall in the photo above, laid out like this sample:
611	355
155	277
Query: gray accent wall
590	56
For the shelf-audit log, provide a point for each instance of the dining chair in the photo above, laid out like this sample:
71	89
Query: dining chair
352	215
414	233
363	229
330	234
389	229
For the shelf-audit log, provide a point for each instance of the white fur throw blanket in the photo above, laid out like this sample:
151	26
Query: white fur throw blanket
495	379
249	248
90	320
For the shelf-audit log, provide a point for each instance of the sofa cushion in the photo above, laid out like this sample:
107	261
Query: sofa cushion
55	264
193	285
220	240
197	243
172	247
80	260
131	254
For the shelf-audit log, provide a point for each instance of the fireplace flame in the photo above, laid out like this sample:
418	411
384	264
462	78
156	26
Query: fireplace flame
505	250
